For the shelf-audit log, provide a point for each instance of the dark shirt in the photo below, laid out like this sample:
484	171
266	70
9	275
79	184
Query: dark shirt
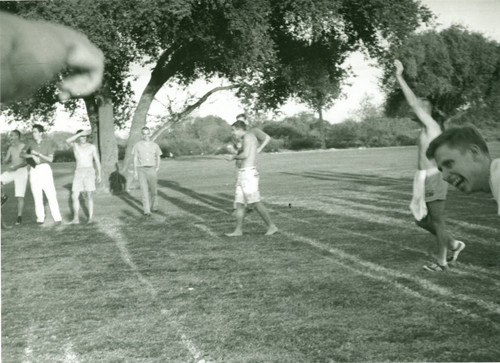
45	147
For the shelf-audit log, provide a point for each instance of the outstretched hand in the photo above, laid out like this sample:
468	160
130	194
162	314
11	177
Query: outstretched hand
399	67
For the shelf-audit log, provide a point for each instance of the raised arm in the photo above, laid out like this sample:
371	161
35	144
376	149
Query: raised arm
70	140
34	52
412	100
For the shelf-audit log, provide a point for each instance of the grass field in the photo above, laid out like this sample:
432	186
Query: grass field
342	281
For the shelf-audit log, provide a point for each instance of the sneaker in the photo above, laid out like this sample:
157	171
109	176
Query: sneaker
19	220
147	214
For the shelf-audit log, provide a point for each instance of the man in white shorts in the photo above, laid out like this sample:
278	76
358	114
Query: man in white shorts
247	183
463	157
41	152
429	190
85	174
17	171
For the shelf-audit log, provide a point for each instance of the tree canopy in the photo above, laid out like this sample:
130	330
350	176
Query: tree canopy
457	70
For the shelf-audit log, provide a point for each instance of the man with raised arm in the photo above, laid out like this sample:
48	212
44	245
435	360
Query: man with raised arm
429	189
247	183
85	174
17	171
462	155
41	152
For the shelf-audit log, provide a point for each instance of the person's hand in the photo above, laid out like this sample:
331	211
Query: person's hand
399	67
157	169
136	176
98	179
229	157
34	52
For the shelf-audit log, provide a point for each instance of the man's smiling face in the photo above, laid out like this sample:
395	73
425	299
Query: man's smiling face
461	168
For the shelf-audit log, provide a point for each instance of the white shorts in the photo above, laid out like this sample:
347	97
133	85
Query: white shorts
84	180
247	186
20	179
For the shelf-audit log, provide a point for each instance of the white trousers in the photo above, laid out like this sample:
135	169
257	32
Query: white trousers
41	180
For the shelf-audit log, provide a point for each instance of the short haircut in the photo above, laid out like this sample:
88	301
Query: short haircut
458	138
145	128
17	132
78	132
38	127
239	125
241	115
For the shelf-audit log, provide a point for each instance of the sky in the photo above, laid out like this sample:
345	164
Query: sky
477	15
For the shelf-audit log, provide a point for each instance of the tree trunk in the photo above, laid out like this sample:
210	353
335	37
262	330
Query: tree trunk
93	115
322	128
107	141
166	67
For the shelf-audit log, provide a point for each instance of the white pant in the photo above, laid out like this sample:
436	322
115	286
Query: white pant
41	180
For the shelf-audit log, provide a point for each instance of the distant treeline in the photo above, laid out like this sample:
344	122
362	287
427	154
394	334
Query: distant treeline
211	134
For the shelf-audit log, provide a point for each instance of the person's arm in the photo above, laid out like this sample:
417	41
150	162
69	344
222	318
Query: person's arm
263	139
34	52
158	159
412	100
245	150
8	156
70	140
97	164
48	158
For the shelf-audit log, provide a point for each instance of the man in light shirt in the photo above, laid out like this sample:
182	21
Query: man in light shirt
146	166
85	174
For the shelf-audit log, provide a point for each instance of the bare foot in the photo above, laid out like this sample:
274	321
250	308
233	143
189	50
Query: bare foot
90	221
74	221
272	230
234	234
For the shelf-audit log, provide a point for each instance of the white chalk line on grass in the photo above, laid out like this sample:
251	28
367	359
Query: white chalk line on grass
114	234
28	350
120	241
426	285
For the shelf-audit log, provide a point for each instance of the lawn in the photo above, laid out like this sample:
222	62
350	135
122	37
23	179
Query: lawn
342	280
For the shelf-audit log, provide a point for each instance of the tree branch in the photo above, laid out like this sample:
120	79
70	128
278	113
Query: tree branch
176	117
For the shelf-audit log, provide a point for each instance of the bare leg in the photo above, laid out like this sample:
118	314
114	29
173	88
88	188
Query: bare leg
444	239
20	206
76	207
262	210
240	216
90	206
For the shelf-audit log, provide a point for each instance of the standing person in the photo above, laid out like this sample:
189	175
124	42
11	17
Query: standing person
247	183
34	52
464	159
85	174
16	172
429	189
41	151
261	136
146	166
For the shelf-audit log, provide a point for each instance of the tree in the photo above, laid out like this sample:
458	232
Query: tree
187	40
313	38
98	20
457	70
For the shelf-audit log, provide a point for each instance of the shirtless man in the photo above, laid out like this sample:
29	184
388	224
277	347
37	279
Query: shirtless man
17	171
462	155
85	174
247	184
429	189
